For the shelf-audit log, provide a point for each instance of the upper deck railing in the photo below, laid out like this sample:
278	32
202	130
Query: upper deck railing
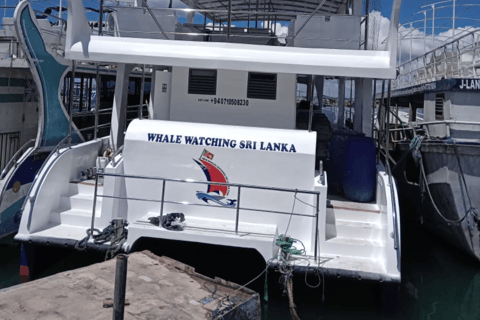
254	25
459	58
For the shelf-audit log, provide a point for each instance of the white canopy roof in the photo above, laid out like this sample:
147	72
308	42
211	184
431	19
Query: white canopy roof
81	45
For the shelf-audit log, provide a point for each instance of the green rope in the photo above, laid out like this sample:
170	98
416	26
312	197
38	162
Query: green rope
287	246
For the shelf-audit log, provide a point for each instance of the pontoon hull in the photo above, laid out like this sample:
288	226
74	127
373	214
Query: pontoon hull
447	191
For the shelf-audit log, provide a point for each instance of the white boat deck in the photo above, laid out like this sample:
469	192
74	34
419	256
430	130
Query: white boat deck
352	240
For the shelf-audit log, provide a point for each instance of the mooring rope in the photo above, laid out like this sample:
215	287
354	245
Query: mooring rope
472	210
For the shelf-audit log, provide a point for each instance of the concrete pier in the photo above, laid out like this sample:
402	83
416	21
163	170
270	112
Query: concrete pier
157	288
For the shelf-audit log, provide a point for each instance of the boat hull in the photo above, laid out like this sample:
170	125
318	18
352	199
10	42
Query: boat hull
448	193
17	183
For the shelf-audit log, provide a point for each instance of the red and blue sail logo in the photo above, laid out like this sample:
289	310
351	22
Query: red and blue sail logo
215	193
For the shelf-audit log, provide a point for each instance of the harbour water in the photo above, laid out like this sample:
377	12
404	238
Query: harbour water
437	283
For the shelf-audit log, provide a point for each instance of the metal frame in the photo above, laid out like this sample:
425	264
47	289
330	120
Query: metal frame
9	149
459	58
241	10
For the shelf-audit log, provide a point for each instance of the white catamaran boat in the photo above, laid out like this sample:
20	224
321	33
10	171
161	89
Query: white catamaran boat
226	157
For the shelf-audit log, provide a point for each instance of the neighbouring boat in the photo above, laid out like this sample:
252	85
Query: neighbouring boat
436	157
19	125
39	51
226	156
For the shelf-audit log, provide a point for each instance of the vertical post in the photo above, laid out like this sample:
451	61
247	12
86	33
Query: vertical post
142	88
229	19
400	49
92	224
310	98
70	119
425	30
387	109
411	44
238	210
205	23
60	23
82	88
381	120
248	15
89	93
373	105
316	225
100	18
454	5
120	287
97	99
256	15
161	204
433	28
341	103
351	101
275	25
367	13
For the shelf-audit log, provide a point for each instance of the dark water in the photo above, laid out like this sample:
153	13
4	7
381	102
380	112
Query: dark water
437	283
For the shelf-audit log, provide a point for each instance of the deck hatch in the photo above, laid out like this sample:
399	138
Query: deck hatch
262	86
202	81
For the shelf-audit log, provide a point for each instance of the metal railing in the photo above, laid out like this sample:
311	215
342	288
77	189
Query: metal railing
458	58
66	142
217	25
238	207
10	48
9	144
13	160
447	123
13	163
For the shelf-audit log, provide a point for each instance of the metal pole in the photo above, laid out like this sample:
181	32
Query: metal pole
381	120
367	9
97	99
60	21
341	104
400	49
100	18
142	88
161	205
310	97
387	108
411	43
316	226
256	15
425	35
373	107
433	26
92	224
120	287
454	5
70	120
238	210
229	19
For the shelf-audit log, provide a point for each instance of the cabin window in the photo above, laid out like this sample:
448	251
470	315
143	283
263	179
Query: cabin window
202	81
262	86
439	102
